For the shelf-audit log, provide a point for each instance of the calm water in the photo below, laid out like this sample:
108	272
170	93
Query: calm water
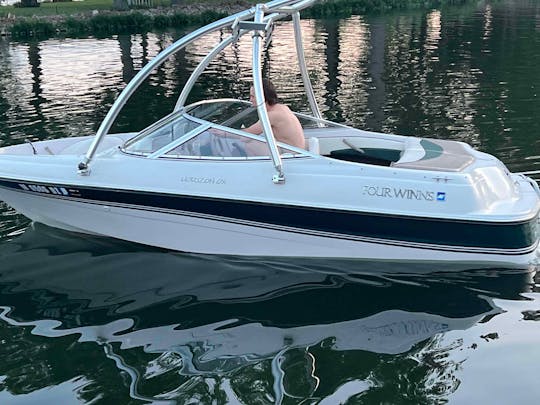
86	319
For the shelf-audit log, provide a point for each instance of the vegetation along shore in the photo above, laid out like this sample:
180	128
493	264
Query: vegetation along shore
104	17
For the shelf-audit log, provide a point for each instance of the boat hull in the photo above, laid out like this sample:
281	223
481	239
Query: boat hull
215	234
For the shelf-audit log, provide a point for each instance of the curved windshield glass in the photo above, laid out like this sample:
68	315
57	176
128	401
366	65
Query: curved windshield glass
217	143
240	114
160	134
229	113
189	133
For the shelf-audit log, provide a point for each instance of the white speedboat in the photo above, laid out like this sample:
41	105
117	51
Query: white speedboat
189	183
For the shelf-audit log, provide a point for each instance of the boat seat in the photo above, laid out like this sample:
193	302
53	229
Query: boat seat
435	154
313	145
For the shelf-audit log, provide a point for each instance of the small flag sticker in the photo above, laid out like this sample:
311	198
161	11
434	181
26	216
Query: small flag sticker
441	196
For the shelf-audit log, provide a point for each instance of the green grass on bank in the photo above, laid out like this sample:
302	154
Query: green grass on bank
323	8
76	7
61	8
84	6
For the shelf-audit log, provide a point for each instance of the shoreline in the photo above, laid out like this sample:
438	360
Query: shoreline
107	22
112	22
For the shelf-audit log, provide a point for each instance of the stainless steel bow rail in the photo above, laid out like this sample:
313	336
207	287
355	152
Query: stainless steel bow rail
259	21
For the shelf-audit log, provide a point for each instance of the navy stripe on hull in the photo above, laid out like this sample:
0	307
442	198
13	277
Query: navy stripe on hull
347	224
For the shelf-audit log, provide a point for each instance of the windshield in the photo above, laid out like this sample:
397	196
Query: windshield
207	130
240	114
229	113
218	143
161	133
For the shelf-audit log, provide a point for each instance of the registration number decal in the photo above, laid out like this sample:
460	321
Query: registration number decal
54	190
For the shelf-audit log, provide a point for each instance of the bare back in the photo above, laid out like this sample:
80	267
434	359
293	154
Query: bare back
285	126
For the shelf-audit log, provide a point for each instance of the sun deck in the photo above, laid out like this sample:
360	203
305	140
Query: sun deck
358	146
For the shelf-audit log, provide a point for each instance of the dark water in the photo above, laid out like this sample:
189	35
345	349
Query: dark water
86	319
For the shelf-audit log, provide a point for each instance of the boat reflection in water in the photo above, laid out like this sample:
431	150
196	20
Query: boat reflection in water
194	327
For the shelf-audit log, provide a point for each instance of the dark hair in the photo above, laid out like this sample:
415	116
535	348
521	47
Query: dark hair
270	94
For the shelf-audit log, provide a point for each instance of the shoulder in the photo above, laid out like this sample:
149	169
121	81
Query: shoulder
278	109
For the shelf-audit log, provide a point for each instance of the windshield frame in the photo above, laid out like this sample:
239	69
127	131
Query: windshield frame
204	125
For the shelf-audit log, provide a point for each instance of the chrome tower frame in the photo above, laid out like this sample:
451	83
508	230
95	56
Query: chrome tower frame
259	21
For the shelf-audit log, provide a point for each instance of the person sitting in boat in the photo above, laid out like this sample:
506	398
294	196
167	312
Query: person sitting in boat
285	125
